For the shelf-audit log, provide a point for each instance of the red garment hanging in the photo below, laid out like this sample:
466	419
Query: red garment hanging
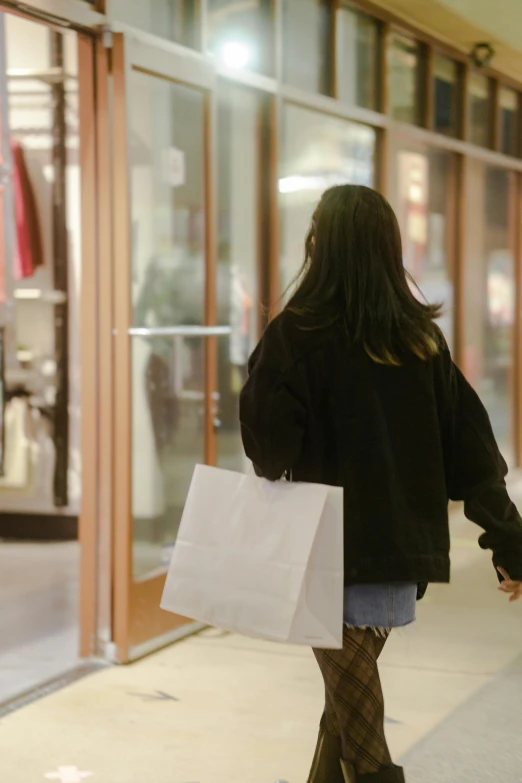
2	247
28	248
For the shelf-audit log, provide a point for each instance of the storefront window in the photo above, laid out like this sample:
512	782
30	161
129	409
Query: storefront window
239	34
238	225
317	151
175	20
479	109
306	44
40	384
422	200
446	94
357	58
509	125
403	65
489	294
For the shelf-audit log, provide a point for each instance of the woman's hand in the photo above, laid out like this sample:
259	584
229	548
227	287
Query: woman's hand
509	586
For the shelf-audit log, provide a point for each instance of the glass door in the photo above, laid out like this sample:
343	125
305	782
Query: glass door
165	337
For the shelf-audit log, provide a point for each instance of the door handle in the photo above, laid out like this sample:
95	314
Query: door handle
180	331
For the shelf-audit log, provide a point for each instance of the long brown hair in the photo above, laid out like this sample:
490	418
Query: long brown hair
353	270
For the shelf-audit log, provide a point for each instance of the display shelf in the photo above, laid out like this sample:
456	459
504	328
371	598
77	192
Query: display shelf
38	295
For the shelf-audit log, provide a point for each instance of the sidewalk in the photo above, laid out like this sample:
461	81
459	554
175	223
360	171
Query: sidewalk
223	709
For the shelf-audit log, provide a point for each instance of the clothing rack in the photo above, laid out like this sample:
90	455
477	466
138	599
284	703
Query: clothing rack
55	77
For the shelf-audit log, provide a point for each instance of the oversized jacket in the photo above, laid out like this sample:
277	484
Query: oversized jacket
402	442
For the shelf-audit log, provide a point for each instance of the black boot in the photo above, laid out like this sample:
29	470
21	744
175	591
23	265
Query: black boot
391	774
326	766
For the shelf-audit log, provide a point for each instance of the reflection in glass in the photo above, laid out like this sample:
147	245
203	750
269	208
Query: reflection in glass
238	115
490	294
317	151
509	139
479	109
357	58
306	48
167	192
239	34
403	67
422	202
168	414
174	20
445	88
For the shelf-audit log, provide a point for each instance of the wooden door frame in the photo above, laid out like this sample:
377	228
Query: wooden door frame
517	225
95	523
88	519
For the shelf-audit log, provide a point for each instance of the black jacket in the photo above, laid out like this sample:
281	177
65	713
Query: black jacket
402	441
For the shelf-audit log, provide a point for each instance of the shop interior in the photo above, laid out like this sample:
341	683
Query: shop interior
40	470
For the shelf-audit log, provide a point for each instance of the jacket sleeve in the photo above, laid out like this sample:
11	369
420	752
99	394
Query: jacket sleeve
476	473
272	417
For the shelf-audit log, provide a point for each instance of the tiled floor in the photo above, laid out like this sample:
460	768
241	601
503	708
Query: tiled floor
225	709
38	613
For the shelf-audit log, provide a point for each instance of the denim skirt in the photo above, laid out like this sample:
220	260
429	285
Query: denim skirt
380	606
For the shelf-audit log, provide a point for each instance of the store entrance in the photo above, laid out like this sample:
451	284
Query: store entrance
40	470
178	288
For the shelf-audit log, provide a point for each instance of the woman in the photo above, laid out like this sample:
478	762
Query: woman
353	385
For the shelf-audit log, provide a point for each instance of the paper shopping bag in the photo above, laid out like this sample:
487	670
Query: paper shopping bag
260	558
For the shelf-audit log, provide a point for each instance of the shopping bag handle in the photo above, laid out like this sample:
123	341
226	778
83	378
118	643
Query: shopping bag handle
287	475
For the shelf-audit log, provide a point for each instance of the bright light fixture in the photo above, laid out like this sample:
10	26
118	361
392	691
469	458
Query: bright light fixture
235	55
297	183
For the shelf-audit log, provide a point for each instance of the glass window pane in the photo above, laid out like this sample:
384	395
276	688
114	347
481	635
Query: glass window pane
305	44
168	289
171	19
357	58
317	151
509	124
490	294
445	95
403	66
239	34
479	109
238	298
422	201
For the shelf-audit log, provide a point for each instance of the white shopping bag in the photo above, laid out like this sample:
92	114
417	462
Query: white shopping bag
260	558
